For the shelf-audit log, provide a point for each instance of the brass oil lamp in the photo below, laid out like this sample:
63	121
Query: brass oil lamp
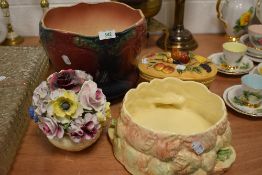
178	37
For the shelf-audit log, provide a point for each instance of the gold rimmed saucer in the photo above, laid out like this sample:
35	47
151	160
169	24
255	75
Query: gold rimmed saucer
251	50
228	67
228	97
245	65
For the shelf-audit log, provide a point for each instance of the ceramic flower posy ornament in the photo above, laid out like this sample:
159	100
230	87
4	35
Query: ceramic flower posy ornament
70	106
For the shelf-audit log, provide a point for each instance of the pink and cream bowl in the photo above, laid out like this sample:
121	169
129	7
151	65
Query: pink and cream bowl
169	126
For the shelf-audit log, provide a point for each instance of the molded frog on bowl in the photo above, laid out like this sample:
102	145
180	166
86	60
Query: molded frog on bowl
70	36
170	126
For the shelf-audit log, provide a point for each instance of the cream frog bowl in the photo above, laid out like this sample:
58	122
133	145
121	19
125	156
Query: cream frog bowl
170	126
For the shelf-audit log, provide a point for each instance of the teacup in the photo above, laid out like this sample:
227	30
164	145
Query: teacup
252	90
255	35
233	54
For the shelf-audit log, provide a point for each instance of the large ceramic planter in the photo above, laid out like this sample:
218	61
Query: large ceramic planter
169	126
70	38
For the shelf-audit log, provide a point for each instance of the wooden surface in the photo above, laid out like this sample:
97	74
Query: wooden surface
37	156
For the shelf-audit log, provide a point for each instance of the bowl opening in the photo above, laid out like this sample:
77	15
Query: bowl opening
235	47
255	28
174	106
89	19
253	81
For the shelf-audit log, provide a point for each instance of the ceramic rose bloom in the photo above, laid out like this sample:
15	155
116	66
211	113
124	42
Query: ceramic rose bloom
69	108
91	97
84	128
51	128
68	79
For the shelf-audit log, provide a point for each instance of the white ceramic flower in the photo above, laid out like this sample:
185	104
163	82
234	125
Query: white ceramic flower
41	98
51	128
64	106
91	97
83	76
84	128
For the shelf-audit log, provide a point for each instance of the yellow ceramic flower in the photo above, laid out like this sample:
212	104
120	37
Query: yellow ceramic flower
100	117
104	115
107	109
244	19
64	106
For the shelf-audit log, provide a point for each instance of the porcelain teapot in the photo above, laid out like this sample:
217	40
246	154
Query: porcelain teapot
259	10
235	15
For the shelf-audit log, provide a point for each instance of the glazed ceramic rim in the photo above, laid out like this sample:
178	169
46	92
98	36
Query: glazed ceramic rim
243	39
140	21
253	31
246	78
206	81
213	127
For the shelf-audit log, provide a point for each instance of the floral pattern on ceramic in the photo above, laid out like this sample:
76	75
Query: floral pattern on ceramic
244	20
244	66
235	15
145	151
257	40
70	109
236	91
249	99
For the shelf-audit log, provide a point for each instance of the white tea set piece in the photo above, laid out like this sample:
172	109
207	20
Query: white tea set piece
233	53
232	96
252	51
236	15
244	67
255	35
252	90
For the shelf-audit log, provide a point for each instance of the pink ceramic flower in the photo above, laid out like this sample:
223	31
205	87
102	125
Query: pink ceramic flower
91	97
260	41
84	128
65	79
51	128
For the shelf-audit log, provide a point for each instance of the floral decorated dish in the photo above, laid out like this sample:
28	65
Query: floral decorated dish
70	109
244	67
170	126
229	98
251	50
182	65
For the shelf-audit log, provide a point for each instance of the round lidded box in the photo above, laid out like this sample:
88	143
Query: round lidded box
185	66
169	126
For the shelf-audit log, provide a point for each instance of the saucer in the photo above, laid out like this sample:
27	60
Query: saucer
254	58
233	92
251	50
254	71
244	67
